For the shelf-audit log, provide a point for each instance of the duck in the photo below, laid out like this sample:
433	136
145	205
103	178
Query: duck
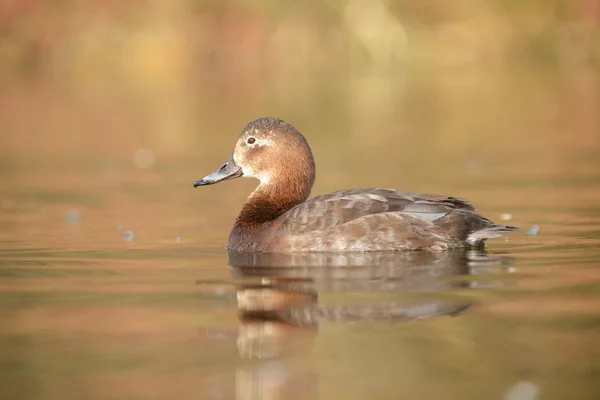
278	216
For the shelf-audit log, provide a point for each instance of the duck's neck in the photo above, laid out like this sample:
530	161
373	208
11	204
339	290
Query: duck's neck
269	201
288	185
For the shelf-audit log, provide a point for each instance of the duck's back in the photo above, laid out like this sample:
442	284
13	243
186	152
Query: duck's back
374	219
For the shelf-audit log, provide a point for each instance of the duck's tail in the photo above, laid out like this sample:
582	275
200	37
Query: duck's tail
489	232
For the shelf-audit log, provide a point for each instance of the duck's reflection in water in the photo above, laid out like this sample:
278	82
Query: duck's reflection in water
280	313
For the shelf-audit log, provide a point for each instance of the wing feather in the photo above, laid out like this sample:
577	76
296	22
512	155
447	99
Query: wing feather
332	209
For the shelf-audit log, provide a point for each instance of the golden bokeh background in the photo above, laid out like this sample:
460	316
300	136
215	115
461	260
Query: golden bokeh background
99	77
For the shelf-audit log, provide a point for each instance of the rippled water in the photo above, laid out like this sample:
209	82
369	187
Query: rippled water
115	283
88	313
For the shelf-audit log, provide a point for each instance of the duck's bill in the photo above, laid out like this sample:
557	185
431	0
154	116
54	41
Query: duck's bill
229	170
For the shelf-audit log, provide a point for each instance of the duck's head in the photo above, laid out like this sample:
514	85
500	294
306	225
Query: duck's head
272	151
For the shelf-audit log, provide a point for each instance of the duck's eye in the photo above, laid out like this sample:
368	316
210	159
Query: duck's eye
251	140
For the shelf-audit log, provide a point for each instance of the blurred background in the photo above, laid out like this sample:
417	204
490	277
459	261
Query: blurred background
416	95
96	79
110	110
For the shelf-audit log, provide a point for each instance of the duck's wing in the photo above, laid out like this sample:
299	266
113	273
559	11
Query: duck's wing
336	208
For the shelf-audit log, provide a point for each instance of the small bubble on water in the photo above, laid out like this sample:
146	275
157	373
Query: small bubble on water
177	239
523	390
533	230
73	217
219	291
506	217
127	235
143	158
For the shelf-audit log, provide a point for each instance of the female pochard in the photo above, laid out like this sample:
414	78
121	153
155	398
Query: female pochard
277	217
